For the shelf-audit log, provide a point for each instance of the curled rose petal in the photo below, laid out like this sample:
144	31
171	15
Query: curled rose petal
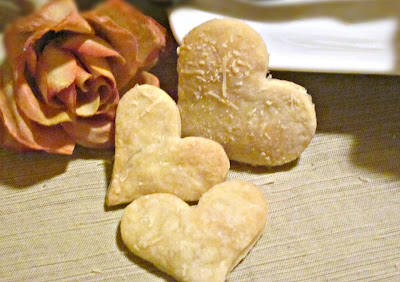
33	107
103	82
52	13
137	37
69	96
82	79
36	109
89	108
151	34
142	77
72	23
22	40
24	131
91	46
92	133
23	37
98	67
17	34
108	94
56	71
123	41
8	141
145	77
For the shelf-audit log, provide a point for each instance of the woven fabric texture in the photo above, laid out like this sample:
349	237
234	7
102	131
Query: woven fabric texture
333	215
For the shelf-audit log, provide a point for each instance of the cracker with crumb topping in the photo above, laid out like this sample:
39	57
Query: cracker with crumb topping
224	95
151	156
196	243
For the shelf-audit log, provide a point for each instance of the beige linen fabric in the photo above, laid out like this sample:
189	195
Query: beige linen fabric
334	215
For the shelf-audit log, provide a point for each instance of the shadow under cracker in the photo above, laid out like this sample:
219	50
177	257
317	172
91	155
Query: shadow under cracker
242	167
114	208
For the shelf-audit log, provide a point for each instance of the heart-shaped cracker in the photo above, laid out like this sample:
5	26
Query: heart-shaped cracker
150	155
224	95
196	243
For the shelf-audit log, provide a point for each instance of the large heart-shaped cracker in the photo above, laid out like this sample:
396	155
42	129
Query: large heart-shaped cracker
224	95
196	243
150	155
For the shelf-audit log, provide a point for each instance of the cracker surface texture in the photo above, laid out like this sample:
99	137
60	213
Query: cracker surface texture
196	243
224	94
150	155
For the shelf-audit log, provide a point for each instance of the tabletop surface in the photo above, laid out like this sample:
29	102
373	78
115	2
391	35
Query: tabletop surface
333	215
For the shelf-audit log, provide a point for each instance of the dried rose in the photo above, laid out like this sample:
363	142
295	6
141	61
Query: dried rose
65	73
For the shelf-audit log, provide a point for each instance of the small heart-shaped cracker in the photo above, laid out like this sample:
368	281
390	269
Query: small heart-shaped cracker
150	155
224	95
196	243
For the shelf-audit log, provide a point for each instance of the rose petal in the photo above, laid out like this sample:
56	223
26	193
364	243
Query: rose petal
8	141
103	89
17	34
72	23
56	71
22	37
145	77
102	75
82	79
92	133
142	77
137	37
32	107
88	108
49	14
151	35
68	97
21	133
91	46
98	67
123	41
102	93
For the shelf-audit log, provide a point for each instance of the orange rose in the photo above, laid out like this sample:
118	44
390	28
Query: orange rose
65	72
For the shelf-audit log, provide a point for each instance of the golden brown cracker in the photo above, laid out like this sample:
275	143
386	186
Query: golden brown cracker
150	155
196	243
224	95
